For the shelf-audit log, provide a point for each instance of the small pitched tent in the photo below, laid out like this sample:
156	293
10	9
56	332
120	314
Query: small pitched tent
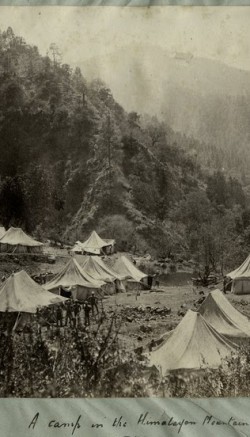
95	245
77	248
15	240
129	273
218	311
241	278
72	277
99	271
19	293
193	345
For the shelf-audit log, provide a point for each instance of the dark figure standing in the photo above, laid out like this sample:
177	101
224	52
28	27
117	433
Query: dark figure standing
73	319
76	311
59	316
86	308
93	303
77	308
68	314
157	280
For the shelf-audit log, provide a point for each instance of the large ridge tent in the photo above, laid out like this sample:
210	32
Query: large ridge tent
218	311
193	345
98	270
95	245
74	278
21	297
19	293
131	276
241	278
15	240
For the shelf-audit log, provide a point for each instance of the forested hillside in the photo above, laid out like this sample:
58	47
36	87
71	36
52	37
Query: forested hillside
197	97
72	160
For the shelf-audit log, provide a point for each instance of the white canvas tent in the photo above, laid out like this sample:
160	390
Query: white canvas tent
77	248
129	273
95	245
193	345
241	278
19	293
16	241
99	271
218	311
73	278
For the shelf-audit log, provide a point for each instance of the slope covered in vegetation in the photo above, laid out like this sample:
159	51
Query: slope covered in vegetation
72	160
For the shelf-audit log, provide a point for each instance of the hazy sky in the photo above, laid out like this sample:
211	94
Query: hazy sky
221	33
112	43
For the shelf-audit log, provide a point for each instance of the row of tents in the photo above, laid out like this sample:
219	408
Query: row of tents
19	293
204	338
95	275
17	241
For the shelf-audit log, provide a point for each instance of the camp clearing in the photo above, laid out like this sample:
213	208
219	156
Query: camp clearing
146	420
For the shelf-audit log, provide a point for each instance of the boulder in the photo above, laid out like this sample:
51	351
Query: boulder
145	328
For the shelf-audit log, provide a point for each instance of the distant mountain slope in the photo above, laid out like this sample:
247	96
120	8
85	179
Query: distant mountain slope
201	98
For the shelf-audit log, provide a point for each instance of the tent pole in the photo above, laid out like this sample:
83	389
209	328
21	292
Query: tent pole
14	327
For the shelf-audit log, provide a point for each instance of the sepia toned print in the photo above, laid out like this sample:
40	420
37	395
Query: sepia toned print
124	202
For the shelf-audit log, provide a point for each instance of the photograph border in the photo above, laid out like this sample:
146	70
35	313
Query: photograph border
18	417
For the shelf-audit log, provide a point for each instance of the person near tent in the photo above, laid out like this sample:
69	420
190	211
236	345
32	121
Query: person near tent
93	303
86	308
157	280
76	311
73	318
52	315
68	314
59	316
39	321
